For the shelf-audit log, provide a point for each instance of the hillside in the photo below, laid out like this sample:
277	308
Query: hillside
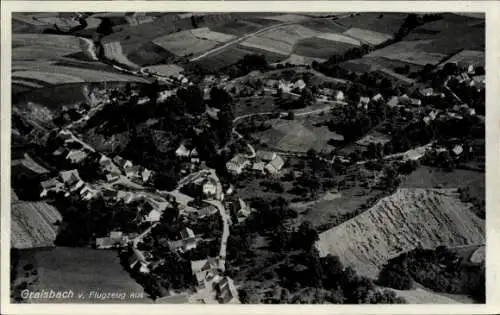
400	223
33	225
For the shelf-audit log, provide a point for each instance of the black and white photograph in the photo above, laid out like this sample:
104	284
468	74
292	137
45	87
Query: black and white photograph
247	157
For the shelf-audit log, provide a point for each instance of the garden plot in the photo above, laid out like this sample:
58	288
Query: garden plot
411	52
370	37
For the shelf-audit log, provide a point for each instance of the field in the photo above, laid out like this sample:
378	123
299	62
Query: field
323	25
295	59
400	223
32	224
422	295
387	23
411	52
235	53
287	17
320	48
81	270
166	70
192	42
429	177
114	51
60	74
292	135
237	28
368	36
472	57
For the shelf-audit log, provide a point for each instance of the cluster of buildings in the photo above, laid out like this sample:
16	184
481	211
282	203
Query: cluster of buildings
264	162
68	182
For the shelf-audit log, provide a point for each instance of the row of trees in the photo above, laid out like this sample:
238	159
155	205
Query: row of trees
440	270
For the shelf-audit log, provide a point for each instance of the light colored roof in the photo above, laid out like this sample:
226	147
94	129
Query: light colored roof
182	151
259	166
265	155
77	155
277	163
69	176
187	233
238	160
50	183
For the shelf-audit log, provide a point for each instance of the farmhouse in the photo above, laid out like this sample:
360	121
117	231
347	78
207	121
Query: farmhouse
114	239
275	165
88	192
71	179
237	164
138	262
299	85
146	175
339	96
187	242
265	156
378	97
200	269
393	102
107	165
363	102
122	163
51	185
259	167
182	151
76	156
153	216
206	211
209	188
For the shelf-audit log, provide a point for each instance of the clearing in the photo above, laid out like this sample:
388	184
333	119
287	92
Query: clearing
81	270
399	223
292	135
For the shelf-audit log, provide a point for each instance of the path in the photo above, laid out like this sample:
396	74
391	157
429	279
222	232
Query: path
240	39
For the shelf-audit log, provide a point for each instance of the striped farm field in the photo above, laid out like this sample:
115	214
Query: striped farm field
32	224
368	36
48	77
166	70
114	51
320	48
56	74
46	40
386	23
415	52
192	42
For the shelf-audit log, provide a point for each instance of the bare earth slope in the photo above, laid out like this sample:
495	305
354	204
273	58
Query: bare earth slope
33	224
400	223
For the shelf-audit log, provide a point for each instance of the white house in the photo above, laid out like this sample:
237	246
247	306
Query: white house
182	151
209	188
339	96
275	165
237	164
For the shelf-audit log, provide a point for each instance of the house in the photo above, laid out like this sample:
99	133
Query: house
182	151
206	211
153	216
457	150
200	269
463	77
122	163
138	262
226	290
146	175
71	179
237	164
299	85
393	102
259	167
51	185
76	156
209	188
187	233
243	210
275	165
88	192
111	177
363	102
114	239
133	171
265	156
378	97
107	165
339	96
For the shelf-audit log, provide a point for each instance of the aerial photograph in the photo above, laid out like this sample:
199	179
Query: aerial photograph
248	158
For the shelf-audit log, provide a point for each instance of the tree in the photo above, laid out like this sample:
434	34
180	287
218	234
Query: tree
305	236
306	97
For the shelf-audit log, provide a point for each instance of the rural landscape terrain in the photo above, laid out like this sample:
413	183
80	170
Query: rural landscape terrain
248	158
